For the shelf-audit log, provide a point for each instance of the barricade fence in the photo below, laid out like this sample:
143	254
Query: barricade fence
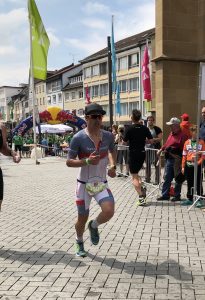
151	170
45	150
152	173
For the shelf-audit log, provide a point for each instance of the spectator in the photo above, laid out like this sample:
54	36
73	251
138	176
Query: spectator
173	154
5	150
189	153
18	143
122	154
114	130
202	125
136	135
151	155
185	125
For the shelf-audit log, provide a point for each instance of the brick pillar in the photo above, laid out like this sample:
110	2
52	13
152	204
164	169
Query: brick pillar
179	47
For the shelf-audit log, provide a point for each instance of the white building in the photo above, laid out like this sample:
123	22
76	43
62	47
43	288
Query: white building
6	92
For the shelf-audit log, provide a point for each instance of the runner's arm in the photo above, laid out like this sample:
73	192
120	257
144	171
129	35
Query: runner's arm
112	156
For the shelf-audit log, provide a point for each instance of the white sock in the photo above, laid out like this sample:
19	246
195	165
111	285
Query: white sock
94	224
79	239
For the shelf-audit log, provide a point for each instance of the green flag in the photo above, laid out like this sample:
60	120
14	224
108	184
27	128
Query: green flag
40	42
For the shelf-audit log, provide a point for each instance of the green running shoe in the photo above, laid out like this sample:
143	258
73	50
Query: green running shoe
79	249
94	234
186	202
199	204
141	201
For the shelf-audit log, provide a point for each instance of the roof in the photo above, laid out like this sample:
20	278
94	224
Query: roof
49	74
71	86
21	94
8	86
122	45
77	74
58	73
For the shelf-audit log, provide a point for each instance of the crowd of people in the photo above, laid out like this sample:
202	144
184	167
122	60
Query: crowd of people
94	149
179	152
51	144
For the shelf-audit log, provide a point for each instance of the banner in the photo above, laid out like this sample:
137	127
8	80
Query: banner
146	76
46	116
203	81
87	95
40	42
118	104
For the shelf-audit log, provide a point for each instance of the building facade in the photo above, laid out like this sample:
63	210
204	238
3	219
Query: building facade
6	93
73	97
40	95
129	54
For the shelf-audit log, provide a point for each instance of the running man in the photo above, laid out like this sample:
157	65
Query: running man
137	135
91	149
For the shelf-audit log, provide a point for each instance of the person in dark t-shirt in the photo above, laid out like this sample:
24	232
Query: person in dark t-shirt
137	135
151	154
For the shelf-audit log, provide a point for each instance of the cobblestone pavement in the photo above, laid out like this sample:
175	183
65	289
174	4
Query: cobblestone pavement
156	252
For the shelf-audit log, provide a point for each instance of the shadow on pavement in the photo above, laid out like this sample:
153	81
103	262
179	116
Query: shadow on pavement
167	268
42	258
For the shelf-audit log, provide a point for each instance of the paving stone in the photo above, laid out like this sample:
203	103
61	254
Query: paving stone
150	253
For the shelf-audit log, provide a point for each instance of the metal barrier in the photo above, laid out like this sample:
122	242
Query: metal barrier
150	172
45	150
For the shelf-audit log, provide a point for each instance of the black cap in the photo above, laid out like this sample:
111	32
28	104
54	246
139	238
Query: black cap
94	108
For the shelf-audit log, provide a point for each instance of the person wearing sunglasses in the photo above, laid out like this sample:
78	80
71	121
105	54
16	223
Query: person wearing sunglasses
91	150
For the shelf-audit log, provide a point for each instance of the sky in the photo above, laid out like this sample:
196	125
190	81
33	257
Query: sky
76	29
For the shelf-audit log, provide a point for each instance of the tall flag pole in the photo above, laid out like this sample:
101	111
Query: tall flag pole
39	45
114	83
146	76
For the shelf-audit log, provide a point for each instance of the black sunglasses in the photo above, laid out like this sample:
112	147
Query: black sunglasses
96	116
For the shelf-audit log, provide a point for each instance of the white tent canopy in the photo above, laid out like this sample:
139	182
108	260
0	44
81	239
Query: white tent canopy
58	128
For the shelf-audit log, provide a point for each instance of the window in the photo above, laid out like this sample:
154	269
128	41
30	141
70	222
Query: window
124	110
122	63
43	100
134	84
133	60
43	88
59	98
73	95
54	99
103	68
40	102
103	89
49	99
67	96
133	105
80	94
54	86
95	91
95	70
87	72
26	104
39	89
36	90
106	108
123	86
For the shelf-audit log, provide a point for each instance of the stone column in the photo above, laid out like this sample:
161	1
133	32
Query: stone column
179	47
